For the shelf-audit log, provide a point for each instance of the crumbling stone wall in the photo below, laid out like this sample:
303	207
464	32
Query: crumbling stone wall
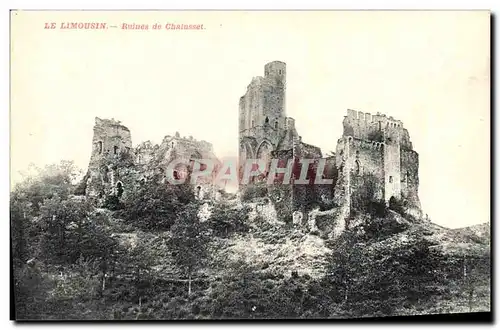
115	168
111	145
377	145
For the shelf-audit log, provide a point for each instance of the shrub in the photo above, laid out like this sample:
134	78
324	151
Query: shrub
113	203
253	191
396	205
155	206
226	221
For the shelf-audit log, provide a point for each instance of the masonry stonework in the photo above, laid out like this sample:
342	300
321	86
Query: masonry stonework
115	167
378	146
265	132
372	146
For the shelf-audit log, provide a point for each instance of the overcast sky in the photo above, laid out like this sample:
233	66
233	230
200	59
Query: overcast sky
428	69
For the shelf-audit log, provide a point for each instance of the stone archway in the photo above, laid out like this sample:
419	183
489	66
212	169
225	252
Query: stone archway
246	151
264	152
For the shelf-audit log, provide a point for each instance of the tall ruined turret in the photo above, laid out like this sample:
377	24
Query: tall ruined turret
264	127
265	133
111	143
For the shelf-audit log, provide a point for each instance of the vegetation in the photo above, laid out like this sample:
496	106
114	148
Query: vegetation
149	256
155	206
254	191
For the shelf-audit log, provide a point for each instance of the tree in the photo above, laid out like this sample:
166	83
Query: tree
155	206
19	211
38	186
226	220
189	242
44	183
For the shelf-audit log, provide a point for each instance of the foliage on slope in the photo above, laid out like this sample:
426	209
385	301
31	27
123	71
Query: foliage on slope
154	259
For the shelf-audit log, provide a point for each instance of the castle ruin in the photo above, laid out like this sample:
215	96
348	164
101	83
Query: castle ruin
373	147
374	154
115	167
265	133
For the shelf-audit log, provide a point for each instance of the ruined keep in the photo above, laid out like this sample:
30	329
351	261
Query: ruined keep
111	143
376	150
115	167
265	132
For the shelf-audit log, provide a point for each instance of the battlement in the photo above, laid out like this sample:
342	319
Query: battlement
388	121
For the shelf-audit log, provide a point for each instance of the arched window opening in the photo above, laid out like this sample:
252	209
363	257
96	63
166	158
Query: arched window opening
266	121
357	167
276	124
115	150
99	147
119	189
105	171
393	203
390	179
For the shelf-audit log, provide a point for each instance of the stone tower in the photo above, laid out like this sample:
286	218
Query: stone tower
110	140
377	148
110	143
265	133
262	113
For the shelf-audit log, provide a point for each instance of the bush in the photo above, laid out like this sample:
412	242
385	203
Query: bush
155	206
253	191
396	205
112	202
226	221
